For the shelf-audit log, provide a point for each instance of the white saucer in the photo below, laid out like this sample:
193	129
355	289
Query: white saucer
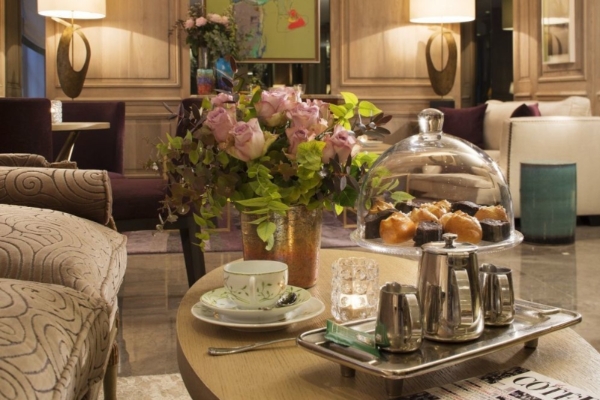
308	310
217	301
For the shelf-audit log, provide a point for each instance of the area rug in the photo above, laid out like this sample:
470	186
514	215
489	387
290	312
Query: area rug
333	235
151	387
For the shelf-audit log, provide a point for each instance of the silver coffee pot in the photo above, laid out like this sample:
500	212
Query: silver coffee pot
449	293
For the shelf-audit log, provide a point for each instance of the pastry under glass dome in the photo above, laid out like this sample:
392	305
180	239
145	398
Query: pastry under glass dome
433	166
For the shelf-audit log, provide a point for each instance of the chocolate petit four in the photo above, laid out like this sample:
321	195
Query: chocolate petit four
427	231
468	207
494	230
372	222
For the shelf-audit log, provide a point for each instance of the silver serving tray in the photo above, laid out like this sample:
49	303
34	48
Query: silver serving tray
532	320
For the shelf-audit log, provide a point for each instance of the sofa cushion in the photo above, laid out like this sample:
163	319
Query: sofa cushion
54	340
526	110
465	123
498	112
49	246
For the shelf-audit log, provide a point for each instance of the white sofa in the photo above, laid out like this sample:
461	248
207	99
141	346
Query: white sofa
566	132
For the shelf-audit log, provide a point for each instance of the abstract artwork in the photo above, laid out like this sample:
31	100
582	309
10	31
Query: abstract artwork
274	30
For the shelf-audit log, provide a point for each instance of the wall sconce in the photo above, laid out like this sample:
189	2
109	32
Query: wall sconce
442	12
71	81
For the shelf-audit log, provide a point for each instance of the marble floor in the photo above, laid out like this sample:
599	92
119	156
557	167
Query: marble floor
564	276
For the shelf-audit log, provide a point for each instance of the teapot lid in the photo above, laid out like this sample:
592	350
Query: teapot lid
448	245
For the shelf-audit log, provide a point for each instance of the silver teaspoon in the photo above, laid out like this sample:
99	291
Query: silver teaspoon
286	299
220	351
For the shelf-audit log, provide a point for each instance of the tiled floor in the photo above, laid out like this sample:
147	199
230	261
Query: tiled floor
565	276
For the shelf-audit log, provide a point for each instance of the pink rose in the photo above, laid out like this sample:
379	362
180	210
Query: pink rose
249	140
324	112
216	18
225	20
221	122
306	116
221	99
340	143
201	21
272	106
297	135
189	23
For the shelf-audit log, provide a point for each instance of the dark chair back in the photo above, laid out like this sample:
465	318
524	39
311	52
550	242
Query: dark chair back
26	126
95	149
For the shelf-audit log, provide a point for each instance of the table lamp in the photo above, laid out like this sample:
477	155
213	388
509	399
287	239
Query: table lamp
71	81
442	12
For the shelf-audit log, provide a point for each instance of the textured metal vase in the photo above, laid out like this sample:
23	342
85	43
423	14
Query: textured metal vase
297	243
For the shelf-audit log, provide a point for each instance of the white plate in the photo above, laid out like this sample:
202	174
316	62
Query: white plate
218	302
308	310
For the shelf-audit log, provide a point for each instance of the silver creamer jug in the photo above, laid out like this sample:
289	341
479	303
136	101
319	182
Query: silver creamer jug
449	293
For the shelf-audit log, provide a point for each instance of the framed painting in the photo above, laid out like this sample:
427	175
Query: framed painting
274	31
558	31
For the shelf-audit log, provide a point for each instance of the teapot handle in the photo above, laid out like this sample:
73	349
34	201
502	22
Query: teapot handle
462	284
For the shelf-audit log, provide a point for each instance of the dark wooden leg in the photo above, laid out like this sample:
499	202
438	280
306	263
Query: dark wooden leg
193	255
110	378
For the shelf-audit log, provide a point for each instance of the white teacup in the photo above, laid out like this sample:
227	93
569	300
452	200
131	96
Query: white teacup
255	283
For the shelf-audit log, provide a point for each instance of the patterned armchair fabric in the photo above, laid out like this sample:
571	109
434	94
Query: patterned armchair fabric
54	341
61	268
85	193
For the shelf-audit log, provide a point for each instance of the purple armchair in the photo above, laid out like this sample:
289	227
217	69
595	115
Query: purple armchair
26	126
136	202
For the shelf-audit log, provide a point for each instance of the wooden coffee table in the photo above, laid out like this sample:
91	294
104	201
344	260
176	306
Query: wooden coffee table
286	371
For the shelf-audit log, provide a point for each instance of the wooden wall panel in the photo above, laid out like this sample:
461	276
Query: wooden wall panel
134	58
379	55
536	80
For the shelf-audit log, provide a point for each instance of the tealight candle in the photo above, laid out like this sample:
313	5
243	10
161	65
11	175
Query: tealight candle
354	288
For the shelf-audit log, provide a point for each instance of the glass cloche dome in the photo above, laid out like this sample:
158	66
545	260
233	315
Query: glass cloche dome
433	183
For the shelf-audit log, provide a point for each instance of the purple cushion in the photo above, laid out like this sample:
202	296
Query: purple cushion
525	110
465	123
137	198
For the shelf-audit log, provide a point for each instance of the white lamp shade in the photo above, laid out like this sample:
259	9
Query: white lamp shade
77	9
442	11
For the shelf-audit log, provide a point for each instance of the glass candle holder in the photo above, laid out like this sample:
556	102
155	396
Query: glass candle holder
56	111
354	288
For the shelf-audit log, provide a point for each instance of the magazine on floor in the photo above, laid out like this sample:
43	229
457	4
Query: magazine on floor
515	383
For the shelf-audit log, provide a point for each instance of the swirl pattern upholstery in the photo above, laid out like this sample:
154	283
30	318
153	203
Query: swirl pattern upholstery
42	245
32	160
58	241
54	341
85	193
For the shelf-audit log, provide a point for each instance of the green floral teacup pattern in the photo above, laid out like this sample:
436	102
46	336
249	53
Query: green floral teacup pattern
254	284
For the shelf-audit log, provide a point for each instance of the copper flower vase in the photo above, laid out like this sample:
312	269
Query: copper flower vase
297	243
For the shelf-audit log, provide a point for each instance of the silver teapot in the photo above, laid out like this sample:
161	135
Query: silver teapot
449	293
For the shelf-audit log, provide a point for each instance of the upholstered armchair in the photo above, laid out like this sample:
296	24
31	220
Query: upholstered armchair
61	267
26	126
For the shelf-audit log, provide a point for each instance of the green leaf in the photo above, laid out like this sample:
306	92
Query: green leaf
199	220
368	109
194	156
256	202
278	206
259	220
350	98
401	196
265	230
338	111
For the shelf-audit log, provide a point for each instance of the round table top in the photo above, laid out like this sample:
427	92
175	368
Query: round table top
286	371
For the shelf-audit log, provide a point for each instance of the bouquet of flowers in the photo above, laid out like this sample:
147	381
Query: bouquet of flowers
216	33
266	151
